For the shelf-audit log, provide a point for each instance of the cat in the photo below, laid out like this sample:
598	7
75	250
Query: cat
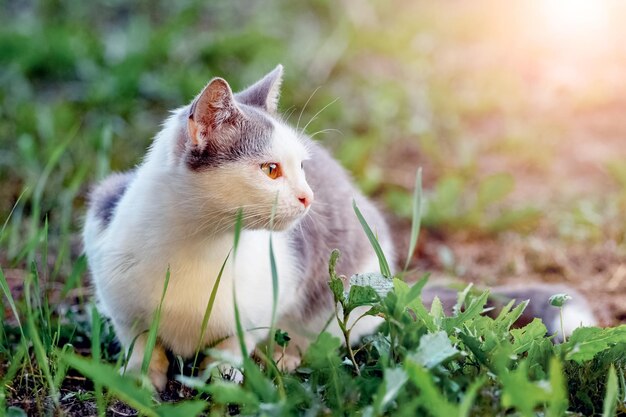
175	214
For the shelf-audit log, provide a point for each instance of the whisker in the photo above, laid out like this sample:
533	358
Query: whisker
304	107
318	113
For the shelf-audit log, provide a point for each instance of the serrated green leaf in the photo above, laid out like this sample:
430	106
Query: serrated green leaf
360	296
460	299
520	392
472	311
416	289
379	284
436	311
586	342
524	338
335	283
434	349
506	318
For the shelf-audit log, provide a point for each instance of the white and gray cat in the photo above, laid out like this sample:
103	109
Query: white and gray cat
222	153
177	210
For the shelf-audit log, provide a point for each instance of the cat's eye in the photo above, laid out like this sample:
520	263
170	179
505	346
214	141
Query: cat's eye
271	169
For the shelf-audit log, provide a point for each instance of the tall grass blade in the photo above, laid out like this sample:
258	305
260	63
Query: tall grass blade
96	326
416	218
38	347
382	261
237	233
4	284
610	398
209	308
121	387
239	328
14	365
154	328
274	297
17	202
274	272
73	281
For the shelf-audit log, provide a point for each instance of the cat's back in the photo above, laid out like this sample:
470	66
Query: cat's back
102	202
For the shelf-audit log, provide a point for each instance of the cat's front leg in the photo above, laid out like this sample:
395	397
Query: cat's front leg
157	370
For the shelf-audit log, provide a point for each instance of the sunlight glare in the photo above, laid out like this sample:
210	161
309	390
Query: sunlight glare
575	20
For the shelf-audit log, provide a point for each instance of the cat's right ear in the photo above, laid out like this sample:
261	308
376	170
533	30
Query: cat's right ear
211	110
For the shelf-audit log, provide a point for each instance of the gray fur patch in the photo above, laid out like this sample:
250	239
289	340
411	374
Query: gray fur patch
247	134
330	224
105	197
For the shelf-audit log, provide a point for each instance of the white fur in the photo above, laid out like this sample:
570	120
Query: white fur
172	218
575	315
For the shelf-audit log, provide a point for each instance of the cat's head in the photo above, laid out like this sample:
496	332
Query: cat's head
241	155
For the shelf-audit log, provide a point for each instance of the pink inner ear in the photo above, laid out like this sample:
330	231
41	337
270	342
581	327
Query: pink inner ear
192	128
214	107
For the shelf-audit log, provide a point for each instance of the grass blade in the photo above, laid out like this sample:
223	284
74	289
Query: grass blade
154	327
610	398
96	325
40	351
382	261
14	365
7	294
126	389
237	233
274	296
416	218
239	328
209	308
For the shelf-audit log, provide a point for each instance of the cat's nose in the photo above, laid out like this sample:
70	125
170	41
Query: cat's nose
306	199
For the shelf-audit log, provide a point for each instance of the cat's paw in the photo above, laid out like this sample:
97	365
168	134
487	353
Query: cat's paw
287	362
158	379
157	371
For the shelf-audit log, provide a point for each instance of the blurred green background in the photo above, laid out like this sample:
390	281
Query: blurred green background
513	109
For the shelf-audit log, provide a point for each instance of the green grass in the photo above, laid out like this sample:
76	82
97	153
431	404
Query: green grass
84	86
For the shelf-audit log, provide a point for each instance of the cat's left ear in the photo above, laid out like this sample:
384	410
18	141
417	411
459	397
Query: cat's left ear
265	92
211	111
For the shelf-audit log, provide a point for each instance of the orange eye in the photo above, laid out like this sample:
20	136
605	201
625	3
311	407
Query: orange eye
271	169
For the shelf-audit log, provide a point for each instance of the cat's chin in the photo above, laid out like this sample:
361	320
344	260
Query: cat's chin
279	224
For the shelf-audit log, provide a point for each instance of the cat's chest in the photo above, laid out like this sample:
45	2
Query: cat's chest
195	269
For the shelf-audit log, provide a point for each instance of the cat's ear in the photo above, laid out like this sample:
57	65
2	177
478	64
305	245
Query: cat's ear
265	92
211	110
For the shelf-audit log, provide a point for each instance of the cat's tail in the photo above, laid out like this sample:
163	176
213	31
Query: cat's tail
102	202
576	312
